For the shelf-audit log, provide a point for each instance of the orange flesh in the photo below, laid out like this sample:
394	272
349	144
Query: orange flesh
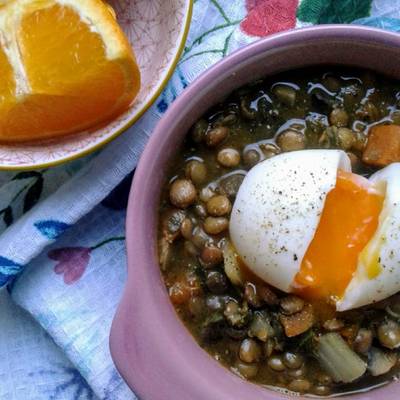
348	222
7	83
72	85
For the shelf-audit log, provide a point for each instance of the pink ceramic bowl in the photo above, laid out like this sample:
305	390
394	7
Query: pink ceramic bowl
152	349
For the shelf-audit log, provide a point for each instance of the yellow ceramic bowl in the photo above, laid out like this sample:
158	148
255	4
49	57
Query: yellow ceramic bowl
157	30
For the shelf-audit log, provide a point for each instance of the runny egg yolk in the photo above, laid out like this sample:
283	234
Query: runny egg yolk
349	220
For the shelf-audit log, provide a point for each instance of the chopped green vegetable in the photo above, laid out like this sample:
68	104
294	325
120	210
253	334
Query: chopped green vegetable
305	341
213	318
336	357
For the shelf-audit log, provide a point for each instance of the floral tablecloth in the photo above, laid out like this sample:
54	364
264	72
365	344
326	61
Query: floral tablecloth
62	255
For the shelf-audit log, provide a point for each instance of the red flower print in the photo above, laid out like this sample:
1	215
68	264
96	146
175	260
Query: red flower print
72	262
269	16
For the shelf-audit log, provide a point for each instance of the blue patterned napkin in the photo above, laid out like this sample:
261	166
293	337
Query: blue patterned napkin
62	229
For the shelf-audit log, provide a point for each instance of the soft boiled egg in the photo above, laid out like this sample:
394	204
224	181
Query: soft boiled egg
304	223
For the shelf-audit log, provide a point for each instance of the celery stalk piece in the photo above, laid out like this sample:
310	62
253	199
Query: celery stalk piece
338	359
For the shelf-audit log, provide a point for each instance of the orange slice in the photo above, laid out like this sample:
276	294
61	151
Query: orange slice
65	66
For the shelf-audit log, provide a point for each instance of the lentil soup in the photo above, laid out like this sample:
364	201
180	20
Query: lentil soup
264	335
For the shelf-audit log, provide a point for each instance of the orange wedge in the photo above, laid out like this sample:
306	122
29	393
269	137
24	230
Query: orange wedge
65	66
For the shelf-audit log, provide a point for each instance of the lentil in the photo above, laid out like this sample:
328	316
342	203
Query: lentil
250	351
218	206
339	117
248	371
291	305
299	385
276	363
196	171
211	255
291	140
292	360
182	193
215	225
251	157
228	158
216	136
187	228
389	334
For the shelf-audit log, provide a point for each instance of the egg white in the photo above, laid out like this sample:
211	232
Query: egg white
278	208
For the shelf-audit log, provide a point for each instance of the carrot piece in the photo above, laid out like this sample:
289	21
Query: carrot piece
383	146
185	287
298	323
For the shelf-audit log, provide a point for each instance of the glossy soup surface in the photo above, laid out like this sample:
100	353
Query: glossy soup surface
241	321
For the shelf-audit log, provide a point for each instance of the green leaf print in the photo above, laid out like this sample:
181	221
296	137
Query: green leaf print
333	11
227	24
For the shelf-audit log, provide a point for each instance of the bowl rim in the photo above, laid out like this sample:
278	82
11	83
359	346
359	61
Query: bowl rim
118	132
141	267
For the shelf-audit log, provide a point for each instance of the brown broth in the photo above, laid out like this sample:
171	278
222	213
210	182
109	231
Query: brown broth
255	116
